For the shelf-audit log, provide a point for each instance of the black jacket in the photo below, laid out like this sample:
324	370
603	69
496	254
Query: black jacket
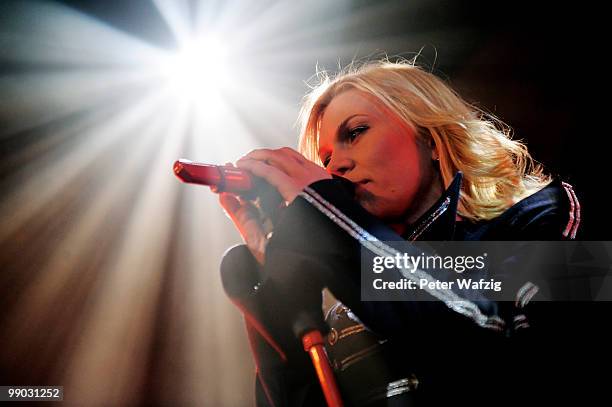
478	356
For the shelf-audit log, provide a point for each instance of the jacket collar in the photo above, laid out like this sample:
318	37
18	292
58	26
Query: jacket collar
438	223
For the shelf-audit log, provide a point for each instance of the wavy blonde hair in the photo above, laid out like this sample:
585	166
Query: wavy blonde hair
498	171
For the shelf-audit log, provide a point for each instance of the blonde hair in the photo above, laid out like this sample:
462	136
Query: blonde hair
498	171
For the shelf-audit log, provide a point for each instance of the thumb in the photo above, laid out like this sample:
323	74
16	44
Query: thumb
245	217
230	204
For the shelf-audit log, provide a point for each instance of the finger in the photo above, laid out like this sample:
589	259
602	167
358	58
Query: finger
296	155
275	177
286	159
256	242
245	217
240	211
230	203
265	153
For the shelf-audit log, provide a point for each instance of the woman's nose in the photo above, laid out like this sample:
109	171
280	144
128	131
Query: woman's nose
340	165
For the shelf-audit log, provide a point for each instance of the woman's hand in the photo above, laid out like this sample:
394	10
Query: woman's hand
285	169
246	218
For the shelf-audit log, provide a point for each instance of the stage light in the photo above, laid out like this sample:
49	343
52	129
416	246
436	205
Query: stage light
93	124
198	70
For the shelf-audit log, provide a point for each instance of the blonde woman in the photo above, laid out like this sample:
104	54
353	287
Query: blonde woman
387	152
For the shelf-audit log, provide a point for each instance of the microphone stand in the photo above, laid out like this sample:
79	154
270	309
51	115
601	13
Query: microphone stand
305	326
313	344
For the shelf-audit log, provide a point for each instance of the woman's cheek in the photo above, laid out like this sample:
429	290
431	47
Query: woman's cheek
406	195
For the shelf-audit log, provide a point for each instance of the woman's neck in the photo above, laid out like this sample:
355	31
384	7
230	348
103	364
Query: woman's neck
429	191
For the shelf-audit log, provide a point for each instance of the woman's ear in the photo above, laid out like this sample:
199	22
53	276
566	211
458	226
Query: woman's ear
435	156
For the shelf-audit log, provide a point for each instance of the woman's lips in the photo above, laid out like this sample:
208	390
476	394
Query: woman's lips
360	185
362	193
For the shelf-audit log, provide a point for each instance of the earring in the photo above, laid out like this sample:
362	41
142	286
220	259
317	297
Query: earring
435	155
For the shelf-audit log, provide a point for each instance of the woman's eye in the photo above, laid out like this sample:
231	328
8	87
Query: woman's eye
347	136
353	133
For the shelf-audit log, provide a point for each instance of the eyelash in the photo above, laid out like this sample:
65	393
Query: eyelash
348	136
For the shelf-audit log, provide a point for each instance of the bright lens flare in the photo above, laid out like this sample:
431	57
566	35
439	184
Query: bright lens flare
199	70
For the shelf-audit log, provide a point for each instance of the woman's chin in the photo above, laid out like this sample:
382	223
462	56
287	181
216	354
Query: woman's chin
374	208
388	214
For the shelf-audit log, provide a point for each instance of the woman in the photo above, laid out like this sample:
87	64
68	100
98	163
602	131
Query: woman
388	152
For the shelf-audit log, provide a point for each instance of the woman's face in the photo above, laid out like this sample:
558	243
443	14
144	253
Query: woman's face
362	140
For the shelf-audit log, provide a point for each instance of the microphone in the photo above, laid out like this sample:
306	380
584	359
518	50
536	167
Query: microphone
219	178
222	178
